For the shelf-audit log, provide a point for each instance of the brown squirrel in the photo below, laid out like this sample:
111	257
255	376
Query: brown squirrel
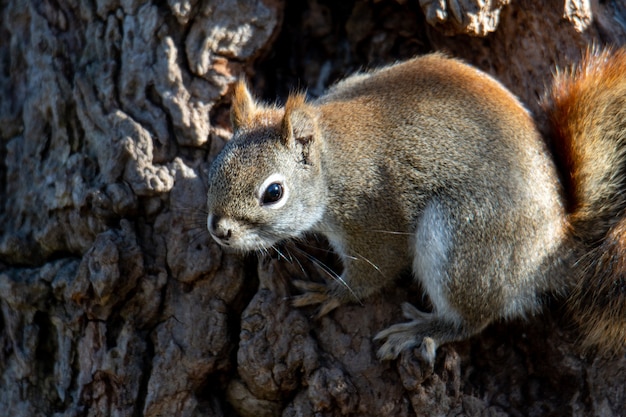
433	165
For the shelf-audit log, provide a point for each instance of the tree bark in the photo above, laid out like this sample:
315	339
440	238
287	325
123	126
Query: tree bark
114	301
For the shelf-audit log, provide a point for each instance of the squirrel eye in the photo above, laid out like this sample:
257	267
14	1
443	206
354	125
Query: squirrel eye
273	193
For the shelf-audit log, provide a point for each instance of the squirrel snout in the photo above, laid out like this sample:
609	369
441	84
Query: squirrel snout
218	228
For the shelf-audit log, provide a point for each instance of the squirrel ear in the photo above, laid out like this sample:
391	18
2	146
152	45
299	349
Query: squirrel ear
243	106
299	128
299	123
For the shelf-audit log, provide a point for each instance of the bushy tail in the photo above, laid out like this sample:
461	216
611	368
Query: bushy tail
586	108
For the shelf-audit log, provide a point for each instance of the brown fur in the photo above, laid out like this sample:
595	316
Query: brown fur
433	165
587	110
243	107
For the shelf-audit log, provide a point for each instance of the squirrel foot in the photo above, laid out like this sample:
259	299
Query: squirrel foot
407	335
314	294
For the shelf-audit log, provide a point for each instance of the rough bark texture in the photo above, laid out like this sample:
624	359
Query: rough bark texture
113	301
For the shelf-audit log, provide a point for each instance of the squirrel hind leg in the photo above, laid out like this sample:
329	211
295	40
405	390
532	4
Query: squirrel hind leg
426	330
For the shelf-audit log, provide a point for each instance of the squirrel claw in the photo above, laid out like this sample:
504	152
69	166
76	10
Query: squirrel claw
402	336
327	307
309	286
396	343
315	294
409	311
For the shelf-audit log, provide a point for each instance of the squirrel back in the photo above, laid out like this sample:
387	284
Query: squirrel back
586	109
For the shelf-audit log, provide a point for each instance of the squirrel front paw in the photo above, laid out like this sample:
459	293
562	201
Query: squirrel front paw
315	294
404	336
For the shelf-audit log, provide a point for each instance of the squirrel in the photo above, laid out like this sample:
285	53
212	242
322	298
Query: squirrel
431	165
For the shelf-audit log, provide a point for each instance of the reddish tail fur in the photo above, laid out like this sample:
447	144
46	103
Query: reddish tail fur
587	112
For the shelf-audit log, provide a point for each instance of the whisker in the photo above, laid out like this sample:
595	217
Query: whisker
323	249
280	254
354	258
351	257
197	236
194	217
369	262
320	264
192	221
392	232
319	248
329	272
295	258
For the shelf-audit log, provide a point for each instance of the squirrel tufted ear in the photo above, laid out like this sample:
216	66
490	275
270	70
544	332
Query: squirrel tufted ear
299	128
300	121
243	106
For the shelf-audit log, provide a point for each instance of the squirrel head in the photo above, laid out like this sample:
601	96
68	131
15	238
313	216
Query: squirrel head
266	185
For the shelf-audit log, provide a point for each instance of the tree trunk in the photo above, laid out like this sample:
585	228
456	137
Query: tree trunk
114	300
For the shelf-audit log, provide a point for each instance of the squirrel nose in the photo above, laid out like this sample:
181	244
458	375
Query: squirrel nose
218	229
